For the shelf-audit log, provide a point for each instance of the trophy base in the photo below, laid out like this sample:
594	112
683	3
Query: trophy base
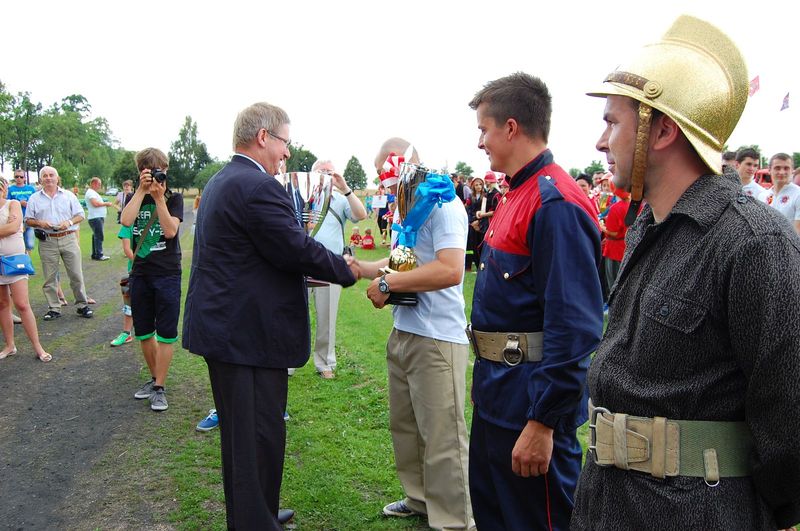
399	299
402	299
314	283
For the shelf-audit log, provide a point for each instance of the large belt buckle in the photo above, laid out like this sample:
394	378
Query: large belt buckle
512	354
593	432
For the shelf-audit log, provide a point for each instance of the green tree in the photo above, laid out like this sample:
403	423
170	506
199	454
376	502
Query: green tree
574	172
205	175
301	159
462	168
796	159
354	174
124	168
596	165
187	156
24	138
6	105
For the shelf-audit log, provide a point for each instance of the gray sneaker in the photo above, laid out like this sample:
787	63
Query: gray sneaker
145	391
158	400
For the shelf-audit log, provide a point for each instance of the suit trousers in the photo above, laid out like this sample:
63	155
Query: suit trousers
326	302
66	248
427	388
250	402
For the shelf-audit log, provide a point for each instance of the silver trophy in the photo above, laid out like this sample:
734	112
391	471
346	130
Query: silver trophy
403	257
310	193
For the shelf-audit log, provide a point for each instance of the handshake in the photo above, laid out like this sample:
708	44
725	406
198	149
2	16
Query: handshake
368	270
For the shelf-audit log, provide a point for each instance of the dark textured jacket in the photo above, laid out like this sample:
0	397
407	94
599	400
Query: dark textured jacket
704	325
247	302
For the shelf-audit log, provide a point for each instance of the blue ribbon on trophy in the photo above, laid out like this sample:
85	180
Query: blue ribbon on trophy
419	191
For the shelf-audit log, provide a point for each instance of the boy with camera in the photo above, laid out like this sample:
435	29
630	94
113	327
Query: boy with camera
154	214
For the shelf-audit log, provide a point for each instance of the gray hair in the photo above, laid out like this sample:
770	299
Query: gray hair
320	162
47	168
256	117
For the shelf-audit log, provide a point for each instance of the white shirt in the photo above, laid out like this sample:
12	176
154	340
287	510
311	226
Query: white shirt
94	212
787	202
330	234
438	314
62	206
753	189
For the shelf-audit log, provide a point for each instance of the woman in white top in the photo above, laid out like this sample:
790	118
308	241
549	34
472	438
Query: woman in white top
11	243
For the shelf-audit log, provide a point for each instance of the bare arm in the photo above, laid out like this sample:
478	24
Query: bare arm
445	271
14	221
356	207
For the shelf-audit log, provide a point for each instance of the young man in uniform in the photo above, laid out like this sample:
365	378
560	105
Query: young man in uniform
536	317
693	414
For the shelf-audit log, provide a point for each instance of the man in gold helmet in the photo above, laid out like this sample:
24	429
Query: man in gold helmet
693	389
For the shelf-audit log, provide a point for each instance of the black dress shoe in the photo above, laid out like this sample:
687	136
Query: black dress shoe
285	515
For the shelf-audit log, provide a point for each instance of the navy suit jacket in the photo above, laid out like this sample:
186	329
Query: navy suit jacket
247	302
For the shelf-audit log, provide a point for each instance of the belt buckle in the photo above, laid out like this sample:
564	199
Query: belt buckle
512	354
593	432
472	341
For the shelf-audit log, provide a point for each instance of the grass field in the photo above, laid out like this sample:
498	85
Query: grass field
339	469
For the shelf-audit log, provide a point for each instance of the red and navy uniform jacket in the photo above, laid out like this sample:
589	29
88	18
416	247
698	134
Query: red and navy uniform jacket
539	272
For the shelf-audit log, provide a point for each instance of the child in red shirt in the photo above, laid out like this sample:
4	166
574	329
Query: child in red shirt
368	242
355	238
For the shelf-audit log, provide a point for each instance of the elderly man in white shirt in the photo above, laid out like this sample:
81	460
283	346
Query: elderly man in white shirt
344	205
57	213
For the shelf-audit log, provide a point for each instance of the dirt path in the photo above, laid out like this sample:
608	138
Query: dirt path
63	423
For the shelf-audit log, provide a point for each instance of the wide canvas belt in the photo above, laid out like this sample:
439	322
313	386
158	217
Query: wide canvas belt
511	348
663	447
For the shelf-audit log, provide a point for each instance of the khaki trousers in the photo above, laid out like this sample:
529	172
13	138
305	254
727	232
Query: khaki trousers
326	301
427	387
67	249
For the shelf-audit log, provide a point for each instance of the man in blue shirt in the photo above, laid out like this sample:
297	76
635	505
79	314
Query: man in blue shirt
21	191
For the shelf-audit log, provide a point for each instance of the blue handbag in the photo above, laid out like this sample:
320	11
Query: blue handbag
16	264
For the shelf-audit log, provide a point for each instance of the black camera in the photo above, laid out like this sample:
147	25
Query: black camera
159	175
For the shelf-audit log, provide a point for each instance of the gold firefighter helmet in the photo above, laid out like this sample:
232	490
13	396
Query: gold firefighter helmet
696	76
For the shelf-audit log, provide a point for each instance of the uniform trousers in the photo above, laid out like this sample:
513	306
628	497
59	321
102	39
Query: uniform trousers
501	500
66	248
250	402
427	387
326	302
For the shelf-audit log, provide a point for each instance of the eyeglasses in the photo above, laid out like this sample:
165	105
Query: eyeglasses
286	141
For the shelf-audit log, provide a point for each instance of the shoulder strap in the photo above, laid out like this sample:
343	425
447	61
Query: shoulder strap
341	224
143	235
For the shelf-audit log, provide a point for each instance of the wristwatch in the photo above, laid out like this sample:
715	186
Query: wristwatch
383	286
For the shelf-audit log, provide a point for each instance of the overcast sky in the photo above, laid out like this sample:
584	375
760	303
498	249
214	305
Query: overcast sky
352	73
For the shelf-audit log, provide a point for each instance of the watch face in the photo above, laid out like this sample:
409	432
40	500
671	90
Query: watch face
383	286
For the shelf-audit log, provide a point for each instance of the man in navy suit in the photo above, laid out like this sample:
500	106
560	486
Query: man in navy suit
247	309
